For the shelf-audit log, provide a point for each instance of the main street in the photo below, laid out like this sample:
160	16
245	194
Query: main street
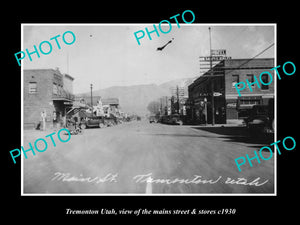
143	158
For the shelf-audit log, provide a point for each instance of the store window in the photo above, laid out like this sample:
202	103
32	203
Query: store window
32	88
235	80
265	80
250	78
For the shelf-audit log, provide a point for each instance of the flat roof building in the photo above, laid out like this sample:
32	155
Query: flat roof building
45	90
218	86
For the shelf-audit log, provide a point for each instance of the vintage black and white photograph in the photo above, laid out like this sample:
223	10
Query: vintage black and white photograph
148	109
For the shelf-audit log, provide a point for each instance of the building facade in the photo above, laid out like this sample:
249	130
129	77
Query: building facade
46	92
101	106
213	95
238	106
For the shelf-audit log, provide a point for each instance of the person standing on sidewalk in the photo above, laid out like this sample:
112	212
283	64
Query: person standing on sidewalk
54	120
43	115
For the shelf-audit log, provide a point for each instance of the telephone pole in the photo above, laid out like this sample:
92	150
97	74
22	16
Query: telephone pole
92	97
212	83
177	95
166	105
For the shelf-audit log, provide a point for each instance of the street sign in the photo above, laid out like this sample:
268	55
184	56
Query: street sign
217	94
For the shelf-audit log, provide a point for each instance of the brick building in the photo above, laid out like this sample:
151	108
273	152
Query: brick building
45	90
228	105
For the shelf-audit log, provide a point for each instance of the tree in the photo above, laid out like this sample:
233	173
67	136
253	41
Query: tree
154	107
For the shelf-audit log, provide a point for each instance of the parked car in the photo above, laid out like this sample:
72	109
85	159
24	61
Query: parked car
95	121
174	119
260	120
165	119
152	119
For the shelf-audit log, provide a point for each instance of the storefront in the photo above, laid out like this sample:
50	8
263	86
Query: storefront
45	93
218	87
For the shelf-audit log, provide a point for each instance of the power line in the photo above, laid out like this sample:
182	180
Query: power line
243	62
256	55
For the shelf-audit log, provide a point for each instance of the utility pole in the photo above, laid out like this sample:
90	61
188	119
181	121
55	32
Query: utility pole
161	107
92	98
212	83
166	105
177	95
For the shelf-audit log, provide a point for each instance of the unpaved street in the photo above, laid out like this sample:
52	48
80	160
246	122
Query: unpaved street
139	158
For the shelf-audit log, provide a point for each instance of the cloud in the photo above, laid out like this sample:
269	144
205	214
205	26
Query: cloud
258	39
108	55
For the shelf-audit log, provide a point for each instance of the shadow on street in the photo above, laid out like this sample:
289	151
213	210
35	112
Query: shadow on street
240	134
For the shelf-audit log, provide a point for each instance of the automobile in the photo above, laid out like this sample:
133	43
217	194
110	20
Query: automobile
165	119
174	119
152	119
260	119
94	121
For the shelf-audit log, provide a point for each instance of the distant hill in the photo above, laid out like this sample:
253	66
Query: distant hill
135	99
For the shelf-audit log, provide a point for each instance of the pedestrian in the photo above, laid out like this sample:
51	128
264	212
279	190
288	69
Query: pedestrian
43	115
54	120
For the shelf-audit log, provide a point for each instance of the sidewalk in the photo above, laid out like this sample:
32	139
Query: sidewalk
236	133
33	134
216	125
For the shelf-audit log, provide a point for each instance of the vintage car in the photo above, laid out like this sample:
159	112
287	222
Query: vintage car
175	119
260	119
94	121
152	119
172	119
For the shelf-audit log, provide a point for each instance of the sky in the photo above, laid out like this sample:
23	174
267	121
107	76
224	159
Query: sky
108	55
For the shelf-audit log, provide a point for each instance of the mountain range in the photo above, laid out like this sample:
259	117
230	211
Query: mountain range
135	98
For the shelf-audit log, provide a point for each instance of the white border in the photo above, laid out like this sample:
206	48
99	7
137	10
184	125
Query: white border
143	24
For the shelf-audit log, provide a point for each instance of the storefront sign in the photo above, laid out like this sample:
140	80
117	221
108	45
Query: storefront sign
231	105
213	58
218	52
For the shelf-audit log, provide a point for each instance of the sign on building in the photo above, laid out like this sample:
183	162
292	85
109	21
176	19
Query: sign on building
217	55
218	52
216	94
213	58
